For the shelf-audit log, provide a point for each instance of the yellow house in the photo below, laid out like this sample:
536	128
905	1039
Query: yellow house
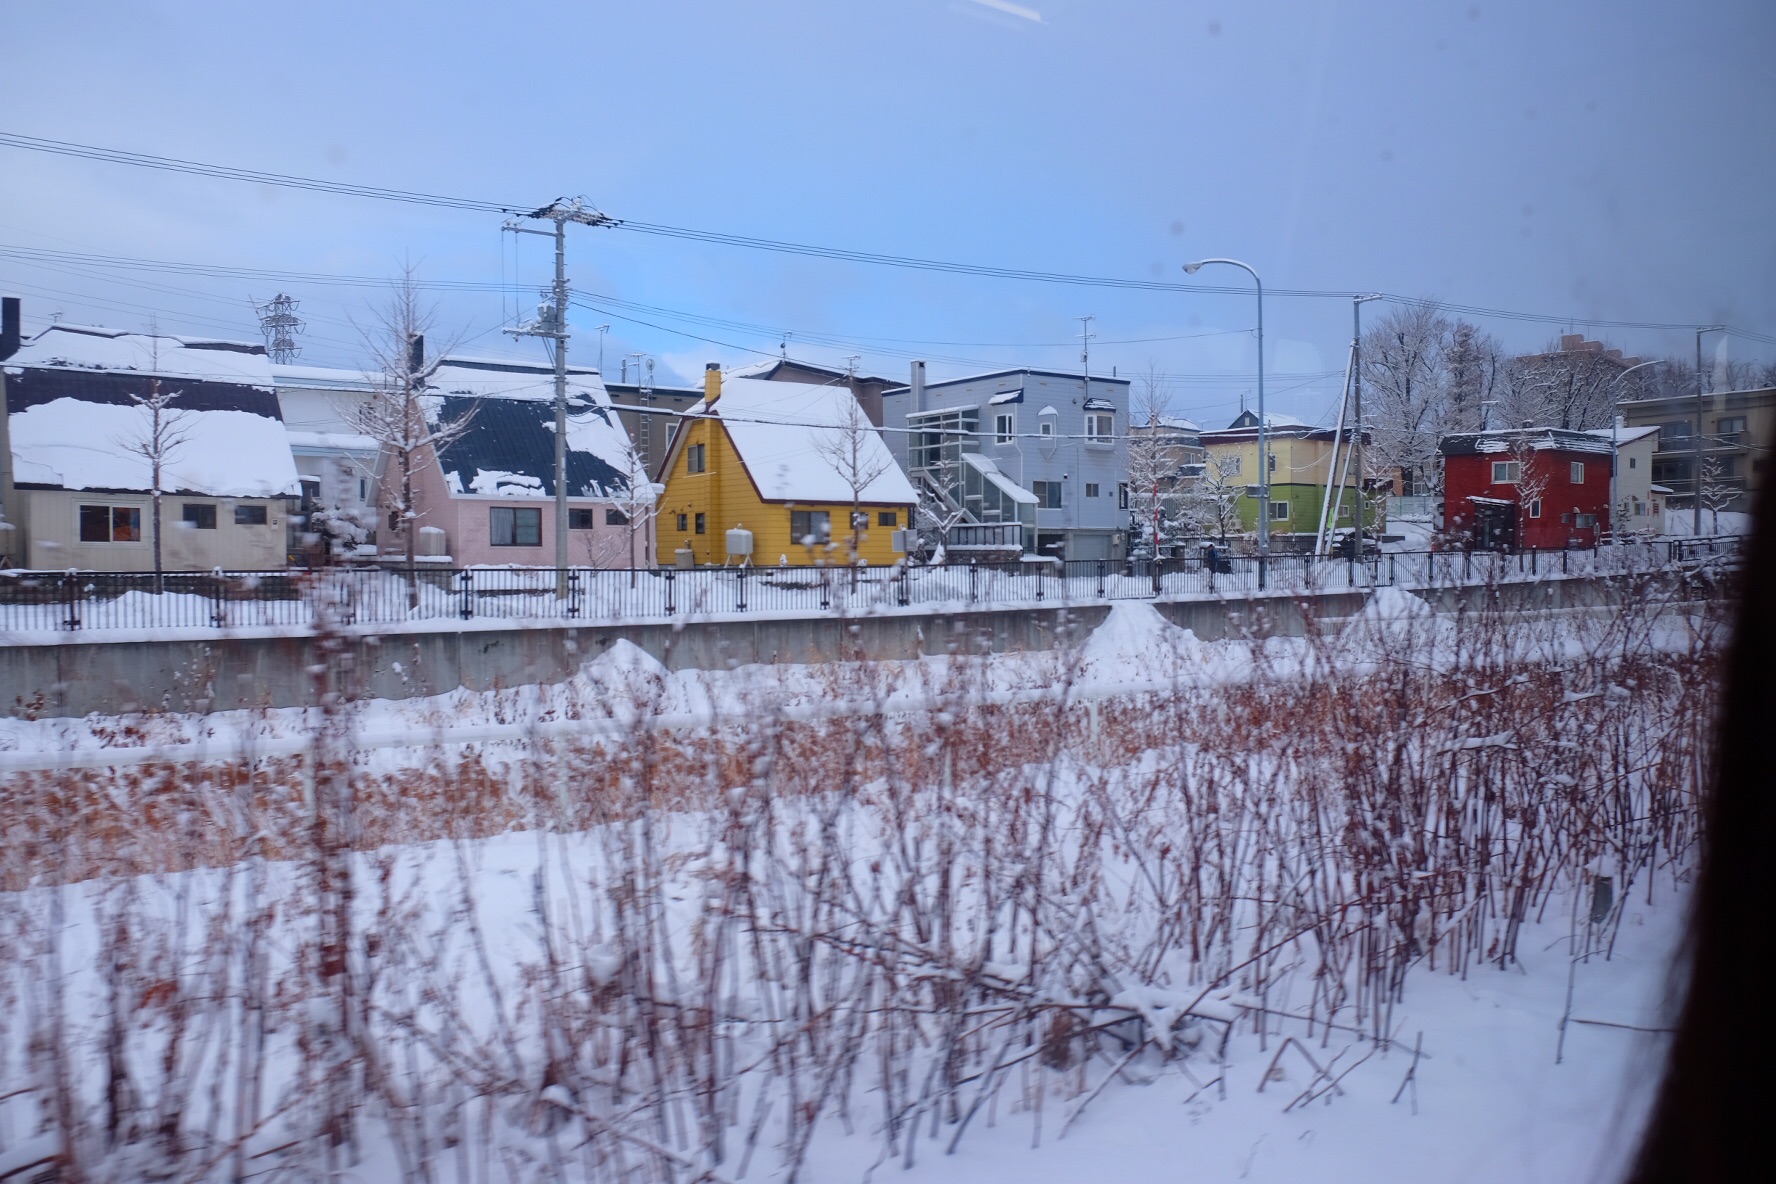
768	473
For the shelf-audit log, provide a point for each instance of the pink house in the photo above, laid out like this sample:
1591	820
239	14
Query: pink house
491	490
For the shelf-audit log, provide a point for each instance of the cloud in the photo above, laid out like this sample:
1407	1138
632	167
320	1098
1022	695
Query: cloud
1017	10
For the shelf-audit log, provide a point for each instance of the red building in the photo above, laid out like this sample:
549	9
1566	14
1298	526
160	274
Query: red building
1526	488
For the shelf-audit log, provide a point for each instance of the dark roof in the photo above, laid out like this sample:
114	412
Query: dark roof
1506	440
902	387
775	372
517	436
29	386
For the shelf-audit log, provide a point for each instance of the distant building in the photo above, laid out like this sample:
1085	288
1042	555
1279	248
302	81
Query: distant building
488	496
76	492
1036	461
1737	428
782	465
335	461
1640	501
1526	488
649	414
1301	461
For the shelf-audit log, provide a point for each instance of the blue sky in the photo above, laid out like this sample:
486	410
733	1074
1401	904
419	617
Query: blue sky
1581	160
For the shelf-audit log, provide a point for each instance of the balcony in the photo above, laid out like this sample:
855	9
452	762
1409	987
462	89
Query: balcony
1719	442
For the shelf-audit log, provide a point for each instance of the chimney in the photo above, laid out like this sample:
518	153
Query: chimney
9	326
416	353
712	383
916	391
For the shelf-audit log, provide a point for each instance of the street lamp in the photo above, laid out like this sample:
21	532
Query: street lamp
1263	427
1696	445
1616	444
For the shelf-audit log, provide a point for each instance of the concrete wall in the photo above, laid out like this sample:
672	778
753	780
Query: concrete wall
79	677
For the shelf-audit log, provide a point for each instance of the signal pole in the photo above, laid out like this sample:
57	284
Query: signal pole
551	324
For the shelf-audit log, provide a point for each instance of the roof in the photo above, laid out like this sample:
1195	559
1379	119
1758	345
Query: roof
985	466
508	448
1272	419
769	371
1514	439
321	378
1003	373
73	419
784	433
1624	435
79	347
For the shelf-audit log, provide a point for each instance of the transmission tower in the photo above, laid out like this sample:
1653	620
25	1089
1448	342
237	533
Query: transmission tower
280	324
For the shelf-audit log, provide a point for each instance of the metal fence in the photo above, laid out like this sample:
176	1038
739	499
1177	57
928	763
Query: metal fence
36	602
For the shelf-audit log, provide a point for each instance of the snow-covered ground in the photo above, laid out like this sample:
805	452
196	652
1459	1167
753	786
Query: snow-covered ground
924	853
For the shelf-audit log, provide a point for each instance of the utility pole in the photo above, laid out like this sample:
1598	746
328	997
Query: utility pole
1357	400
551	324
1696	440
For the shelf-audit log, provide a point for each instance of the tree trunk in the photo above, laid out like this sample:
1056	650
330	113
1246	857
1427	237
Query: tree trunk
408	525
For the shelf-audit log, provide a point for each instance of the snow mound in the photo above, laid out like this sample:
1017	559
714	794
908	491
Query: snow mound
1136	644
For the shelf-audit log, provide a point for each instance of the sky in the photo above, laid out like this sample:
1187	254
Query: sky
1580	161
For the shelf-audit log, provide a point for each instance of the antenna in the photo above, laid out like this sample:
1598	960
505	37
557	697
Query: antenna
783	348
280	324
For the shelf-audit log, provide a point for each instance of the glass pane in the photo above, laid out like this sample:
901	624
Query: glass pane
126	524
95	524
529	527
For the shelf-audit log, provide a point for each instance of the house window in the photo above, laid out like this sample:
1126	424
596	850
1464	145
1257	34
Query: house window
579	519
702	524
1091	489
250	516
1585	521
684	523
1578	472
1273	462
1099	426
1122	496
810	527
1730	425
615	517
1634	462
887	518
1507	472
1231	466
515	526
199	515
1535	508
1047	426
363	489
1279	510
1002	428
110	524
1048	494
696	459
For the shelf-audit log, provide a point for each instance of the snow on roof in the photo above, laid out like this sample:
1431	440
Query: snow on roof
1099	405
74	430
989	470
1535	439
1013	396
508	449
324	378
77	347
1624	435
329	443
779	430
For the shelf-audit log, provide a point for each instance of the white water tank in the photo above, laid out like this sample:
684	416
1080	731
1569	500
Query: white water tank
739	543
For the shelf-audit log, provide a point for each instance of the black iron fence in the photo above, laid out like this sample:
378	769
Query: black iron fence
36	602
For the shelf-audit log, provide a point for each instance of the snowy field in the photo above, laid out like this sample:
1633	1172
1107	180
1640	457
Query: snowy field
1140	907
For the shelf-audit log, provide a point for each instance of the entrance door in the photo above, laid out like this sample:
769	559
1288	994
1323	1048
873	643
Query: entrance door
1495	526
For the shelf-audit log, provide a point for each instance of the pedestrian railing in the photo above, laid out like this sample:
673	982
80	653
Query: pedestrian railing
35	602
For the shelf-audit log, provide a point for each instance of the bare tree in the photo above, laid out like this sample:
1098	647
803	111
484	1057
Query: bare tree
1716	490
161	438
1404	387
1154	458
1210	504
856	454
397	415
637	504
1563	388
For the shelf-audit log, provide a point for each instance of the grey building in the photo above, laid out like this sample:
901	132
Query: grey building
1036	460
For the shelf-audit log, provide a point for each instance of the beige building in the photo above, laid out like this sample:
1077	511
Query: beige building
1639	501
1735	431
78	443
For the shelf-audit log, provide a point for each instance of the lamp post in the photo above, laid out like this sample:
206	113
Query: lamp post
1263	427
1616	444
1696	440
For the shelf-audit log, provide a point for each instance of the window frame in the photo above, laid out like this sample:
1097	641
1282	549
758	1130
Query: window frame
810	524
1576	473
133	515
1535	507
888	518
684	523
700	523
1512	470
1004	427
532	515
1279	503
196	520
1100	427
615	517
696	458
580	518
1091	489
252	515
